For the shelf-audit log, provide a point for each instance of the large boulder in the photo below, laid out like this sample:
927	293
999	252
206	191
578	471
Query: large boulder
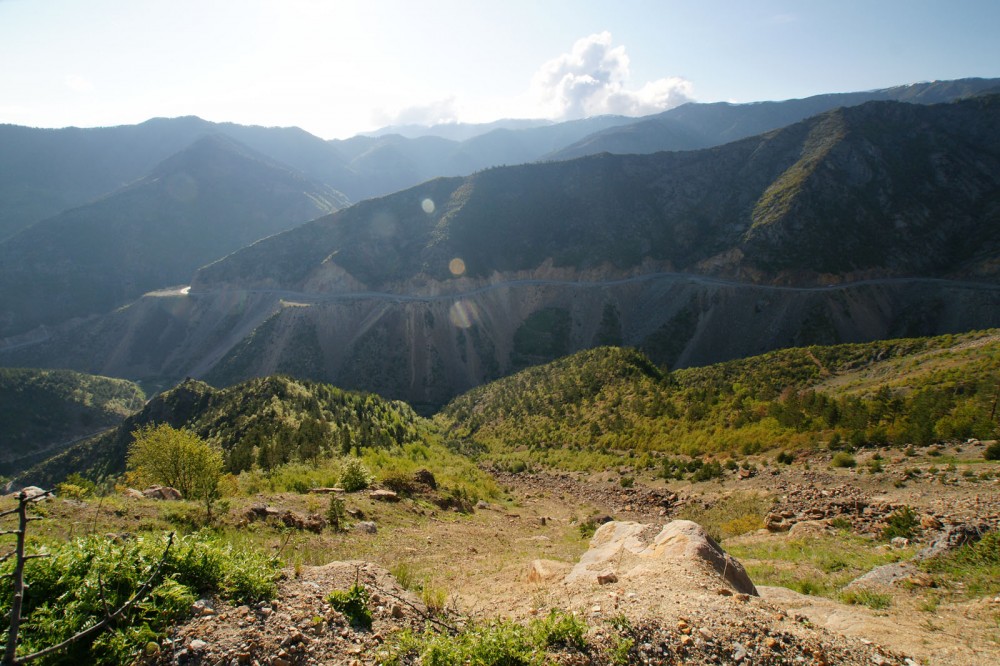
162	493
632	552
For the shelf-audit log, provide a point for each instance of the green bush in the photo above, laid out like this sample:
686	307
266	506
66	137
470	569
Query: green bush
992	451
844	459
355	476
353	603
560	629
901	523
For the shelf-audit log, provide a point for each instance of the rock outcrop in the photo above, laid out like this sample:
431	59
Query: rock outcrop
631	552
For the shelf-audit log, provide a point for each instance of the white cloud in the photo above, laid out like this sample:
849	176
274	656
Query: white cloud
590	80
438	112
79	84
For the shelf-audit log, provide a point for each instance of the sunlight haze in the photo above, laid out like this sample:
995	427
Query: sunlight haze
339	68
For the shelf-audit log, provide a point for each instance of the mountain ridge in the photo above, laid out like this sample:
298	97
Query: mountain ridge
196	206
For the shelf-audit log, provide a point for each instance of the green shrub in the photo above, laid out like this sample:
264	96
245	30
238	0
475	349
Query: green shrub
353	603
354	476
901	523
785	458
992	451
560	629
843	459
336	514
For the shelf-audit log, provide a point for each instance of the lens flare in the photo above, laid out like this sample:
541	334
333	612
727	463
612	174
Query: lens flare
463	314
457	267
427	205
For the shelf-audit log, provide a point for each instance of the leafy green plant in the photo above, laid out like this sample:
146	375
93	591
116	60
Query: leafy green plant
68	591
587	528
902	522
353	603
496	643
560	628
992	451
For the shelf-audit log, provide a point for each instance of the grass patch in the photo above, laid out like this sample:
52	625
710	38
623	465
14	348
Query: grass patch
975	566
732	515
817	565
869	598
500	642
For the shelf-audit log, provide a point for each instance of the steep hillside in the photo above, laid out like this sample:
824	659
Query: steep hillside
42	411
694	126
866	223
587	409
195	207
264	423
886	189
47	171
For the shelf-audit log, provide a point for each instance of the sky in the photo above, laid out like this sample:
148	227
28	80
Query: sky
340	67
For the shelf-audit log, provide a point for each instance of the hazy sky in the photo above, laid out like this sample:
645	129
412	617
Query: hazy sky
340	67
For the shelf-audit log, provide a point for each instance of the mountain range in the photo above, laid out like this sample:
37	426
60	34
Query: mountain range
46	171
860	223
193	208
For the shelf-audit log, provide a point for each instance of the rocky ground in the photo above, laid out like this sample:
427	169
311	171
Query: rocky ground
516	559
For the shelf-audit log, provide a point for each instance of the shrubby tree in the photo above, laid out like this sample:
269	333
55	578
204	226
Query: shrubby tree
177	458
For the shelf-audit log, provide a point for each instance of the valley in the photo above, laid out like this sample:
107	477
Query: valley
718	386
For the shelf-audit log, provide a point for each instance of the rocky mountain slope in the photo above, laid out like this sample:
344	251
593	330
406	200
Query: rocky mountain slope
195	207
863	223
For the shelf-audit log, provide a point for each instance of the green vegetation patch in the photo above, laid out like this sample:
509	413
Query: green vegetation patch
975	566
586	410
67	591
499	643
818	564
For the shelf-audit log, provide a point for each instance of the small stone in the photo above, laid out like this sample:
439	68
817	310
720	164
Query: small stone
596	609
724	592
687	641
366	527
607	578
396	611
771	643
739	652
197	645
706	633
